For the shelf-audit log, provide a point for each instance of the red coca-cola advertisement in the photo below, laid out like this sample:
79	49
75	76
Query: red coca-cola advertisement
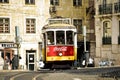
60	51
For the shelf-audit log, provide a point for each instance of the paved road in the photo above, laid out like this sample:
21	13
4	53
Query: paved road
111	73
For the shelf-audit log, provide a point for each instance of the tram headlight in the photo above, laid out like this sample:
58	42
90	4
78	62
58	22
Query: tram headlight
60	54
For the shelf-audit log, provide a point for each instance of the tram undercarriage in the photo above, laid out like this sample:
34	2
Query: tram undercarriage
59	65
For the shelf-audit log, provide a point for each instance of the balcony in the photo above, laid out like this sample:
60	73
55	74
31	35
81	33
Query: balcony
106	40
117	7
105	9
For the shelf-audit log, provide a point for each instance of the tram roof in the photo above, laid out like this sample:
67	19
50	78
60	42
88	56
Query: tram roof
59	26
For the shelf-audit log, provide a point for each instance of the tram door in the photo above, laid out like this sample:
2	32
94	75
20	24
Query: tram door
31	61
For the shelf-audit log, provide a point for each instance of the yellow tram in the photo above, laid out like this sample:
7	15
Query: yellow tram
59	43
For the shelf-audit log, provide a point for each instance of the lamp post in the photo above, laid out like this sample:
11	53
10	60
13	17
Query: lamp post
84	34
17	39
86	53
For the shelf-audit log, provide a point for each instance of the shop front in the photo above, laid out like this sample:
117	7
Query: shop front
7	51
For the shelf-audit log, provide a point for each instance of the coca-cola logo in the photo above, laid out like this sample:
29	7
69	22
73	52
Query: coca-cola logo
60	49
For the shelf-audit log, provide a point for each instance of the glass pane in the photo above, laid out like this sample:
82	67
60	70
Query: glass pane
51	2
1	20
106	28
32	1
26	1
30	25
50	35
69	35
60	37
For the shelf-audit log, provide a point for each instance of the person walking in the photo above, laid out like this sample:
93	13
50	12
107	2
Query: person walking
7	63
15	62
91	62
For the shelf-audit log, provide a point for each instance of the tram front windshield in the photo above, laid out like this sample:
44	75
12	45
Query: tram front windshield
61	37
50	38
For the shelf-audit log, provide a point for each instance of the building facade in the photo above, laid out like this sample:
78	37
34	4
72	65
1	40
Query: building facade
21	22
107	30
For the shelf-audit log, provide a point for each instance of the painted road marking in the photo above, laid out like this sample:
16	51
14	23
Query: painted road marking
77	79
12	78
36	77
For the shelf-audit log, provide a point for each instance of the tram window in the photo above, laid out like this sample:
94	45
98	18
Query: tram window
60	37
50	36
69	35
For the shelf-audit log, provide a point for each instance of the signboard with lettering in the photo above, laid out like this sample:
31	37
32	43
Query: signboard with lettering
56	50
9	45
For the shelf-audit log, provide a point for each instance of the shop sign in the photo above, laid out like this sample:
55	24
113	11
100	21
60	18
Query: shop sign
9	45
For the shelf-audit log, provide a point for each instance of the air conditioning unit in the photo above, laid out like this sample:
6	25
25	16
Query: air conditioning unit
52	9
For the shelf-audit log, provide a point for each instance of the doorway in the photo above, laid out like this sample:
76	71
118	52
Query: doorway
30	60
80	52
7	52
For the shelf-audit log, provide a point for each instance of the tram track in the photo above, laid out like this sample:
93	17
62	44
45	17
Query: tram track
38	75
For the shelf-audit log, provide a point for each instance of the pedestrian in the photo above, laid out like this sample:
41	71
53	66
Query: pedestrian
1	62
83	63
15	62
91	62
7	63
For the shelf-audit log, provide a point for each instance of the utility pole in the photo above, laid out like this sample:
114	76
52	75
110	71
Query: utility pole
85	51
17	39
84	34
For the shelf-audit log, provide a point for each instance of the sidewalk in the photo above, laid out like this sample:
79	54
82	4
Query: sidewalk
98	67
19	70
75	68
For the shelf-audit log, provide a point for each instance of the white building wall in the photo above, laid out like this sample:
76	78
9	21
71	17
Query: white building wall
18	11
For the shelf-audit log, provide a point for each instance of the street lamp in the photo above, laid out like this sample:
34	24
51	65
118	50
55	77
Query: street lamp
84	34
86	53
17	42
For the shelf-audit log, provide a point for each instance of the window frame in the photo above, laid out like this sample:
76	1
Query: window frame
30	27
119	27
106	27
54	2
119	34
3	25
50	37
77	2
69	37
4	1
60	37
78	25
107	33
31	2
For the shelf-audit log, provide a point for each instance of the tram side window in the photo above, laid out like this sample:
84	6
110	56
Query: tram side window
50	36
69	35
60	37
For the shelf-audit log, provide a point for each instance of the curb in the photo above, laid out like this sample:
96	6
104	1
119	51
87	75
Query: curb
13	70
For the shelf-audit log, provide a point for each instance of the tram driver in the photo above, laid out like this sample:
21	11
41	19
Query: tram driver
60	40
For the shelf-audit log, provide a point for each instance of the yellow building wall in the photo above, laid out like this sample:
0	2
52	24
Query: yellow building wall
66	9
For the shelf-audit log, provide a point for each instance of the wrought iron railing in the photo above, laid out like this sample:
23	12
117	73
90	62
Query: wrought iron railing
106	40
105	9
